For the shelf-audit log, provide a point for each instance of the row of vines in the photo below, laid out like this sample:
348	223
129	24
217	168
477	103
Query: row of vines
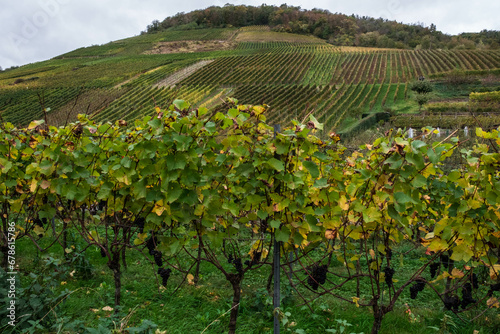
224	188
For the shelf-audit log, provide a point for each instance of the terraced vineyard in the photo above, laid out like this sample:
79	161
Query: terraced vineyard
295	75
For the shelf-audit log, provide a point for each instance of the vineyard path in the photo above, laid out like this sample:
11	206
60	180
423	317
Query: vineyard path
180	75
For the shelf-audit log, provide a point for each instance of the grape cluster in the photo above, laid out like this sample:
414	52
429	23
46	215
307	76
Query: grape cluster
389	273
452	302
434	268
238	265
140	223
416	288
158	258
101	205
475	281
255	259
317	275
446	261
103	252
40	222
467	295
151	244
388	253
493	287
164	274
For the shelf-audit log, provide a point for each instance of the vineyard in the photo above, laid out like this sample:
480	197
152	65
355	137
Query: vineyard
198	210
249	179
295	75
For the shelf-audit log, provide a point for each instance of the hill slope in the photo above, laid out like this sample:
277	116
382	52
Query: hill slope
295	75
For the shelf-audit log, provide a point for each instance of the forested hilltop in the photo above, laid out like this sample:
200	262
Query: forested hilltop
336	28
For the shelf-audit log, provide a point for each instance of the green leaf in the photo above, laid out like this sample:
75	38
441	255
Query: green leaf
461	253
276	164
174	192
433	157
233	113
275	224
281	235
317	124
312	168
402	198
419	181
181	105
417	144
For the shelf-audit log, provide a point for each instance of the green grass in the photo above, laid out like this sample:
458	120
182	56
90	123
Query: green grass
193	309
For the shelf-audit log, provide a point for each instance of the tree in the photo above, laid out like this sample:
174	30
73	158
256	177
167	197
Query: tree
422	89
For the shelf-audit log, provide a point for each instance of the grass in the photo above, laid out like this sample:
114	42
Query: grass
194	309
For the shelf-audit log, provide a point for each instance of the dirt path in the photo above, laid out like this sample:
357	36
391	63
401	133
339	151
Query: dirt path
180	75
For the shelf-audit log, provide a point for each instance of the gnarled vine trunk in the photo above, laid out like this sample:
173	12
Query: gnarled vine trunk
114	265
235	280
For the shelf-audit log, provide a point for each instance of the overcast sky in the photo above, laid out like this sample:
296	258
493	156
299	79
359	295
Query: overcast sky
35	30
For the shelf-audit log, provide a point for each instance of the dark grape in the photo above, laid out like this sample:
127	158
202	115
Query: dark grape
475	281
256	257
158	258
433	268
446	261
37	222
312	283
164	274
467	295
151	244
452	302
317	275
140	223
238	265
101	205
230	258
389	273
416	288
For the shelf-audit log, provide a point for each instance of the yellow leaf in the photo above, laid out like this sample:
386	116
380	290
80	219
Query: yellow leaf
456	273
159	208
64	283
33	185
107	308
493	302
494	271
343	203
330	234
190	279
34	124
372	254
68	250
45	184
39	230
355	300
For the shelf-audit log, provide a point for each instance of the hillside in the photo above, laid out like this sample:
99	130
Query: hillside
295	74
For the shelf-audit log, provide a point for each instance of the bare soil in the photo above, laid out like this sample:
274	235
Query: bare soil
190	46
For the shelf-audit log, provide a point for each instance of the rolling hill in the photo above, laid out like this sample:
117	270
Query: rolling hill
344	87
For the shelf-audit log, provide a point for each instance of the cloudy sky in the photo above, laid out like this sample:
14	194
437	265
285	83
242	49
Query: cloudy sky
35	30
